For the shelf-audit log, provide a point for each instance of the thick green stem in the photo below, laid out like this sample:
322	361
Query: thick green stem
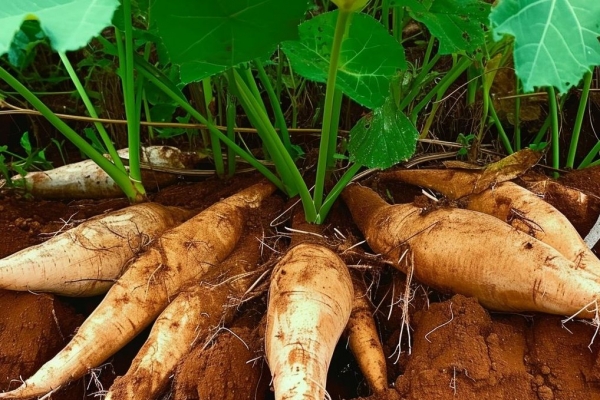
385	14
291	176
335	123
397	26
120	177
343	22
587	83
127	76
260	120
472	84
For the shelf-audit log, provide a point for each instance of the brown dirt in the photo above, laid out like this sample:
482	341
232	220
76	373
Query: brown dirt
459	350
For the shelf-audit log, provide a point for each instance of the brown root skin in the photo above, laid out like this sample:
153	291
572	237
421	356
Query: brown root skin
363	340
86	260
85	179
474	254
512	204
187	321
455	183
528	213
310	299
580	208
179	257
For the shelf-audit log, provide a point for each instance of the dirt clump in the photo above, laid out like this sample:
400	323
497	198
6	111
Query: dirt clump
229	369
461	351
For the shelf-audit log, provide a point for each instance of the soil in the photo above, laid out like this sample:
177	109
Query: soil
457	349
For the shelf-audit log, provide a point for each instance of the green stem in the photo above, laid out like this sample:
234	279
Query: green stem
554	124
251	83
385	14
587	161
343	21
542	132
442	86
439	90
133	122
398	16
231	114
214	140
336	191
587	83
517	117
111	169
418	82
291	176
503	137
148	116
472	84
260	120
430	43
92	111
276	106
183	103
335	123
285	164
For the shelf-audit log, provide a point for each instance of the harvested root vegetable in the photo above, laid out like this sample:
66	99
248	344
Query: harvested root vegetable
525	211
582	209
188	320
511	272
310	299
85	179
86	260
455	183
178	258
363	340
519	207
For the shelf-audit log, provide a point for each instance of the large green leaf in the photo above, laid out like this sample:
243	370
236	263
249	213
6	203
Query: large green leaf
383	138
369	58
458	24
70	24
556	41
206	37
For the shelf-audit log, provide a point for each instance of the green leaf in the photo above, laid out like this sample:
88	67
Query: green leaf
206	37
556	41
458	24
162	112
22	49
69	24
26	143
370	56
383	138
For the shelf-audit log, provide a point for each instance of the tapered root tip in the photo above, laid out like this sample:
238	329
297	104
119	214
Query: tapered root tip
29	390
